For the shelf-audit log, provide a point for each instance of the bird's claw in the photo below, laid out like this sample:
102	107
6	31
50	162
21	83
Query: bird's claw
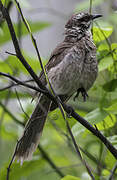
83	92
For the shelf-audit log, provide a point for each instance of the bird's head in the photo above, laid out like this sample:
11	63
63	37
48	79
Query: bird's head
80	23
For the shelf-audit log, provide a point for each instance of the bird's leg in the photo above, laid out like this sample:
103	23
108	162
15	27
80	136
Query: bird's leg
83	92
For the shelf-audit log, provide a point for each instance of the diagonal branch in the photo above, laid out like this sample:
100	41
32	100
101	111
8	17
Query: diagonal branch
22	83
43	152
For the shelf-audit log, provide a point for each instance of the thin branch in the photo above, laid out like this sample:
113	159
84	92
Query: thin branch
45	156
78	152
11	115
110	52
112	172
21	104
14	84
90	7
33	39
16	46
22	83
9	167
87	125
12	54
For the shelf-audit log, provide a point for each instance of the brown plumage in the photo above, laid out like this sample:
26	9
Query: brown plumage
72	66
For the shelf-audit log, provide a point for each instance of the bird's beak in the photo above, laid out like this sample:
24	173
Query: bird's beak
96	16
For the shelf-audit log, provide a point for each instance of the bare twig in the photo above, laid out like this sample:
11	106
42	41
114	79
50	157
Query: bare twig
22	83
11	115
90	7
8	169
45	156
21	104
14	84
78	152
113	172
39	58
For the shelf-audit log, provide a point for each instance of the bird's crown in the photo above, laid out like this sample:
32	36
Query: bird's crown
82	20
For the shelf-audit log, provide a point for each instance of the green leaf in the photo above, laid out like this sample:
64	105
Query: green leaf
81	6
93	117
4	94
105	63
19	172
12	63
113	139
108	122
3	1
100	34
35	26
110	86
114	47
103	47
110	160
8	131
112	109
69	177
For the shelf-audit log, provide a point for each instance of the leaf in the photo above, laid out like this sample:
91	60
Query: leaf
103	47
3	1
35	26
69	177
105	63
4	94
19	172
12	63
8	131
110	86
81	6
93	117
110	160
112	109
99	34
113	139
114	47
108	122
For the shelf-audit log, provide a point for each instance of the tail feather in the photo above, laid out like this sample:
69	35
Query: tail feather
33	130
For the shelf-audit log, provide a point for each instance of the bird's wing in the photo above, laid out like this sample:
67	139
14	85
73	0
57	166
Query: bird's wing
55	58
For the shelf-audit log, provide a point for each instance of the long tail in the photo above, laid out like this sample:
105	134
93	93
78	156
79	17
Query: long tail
33	130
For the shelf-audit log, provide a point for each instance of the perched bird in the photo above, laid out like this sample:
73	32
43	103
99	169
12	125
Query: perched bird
71	68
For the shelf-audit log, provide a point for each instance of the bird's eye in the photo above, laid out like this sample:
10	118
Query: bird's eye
85	19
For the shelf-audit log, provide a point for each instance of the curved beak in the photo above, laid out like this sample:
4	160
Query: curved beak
96	16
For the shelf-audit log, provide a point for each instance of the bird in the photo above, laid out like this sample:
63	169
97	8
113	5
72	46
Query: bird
72	68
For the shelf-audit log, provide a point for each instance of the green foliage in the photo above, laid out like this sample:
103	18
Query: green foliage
68	177
85	5
35	26
100	34
25	170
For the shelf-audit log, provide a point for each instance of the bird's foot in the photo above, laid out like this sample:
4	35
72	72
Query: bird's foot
70	111
83	92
